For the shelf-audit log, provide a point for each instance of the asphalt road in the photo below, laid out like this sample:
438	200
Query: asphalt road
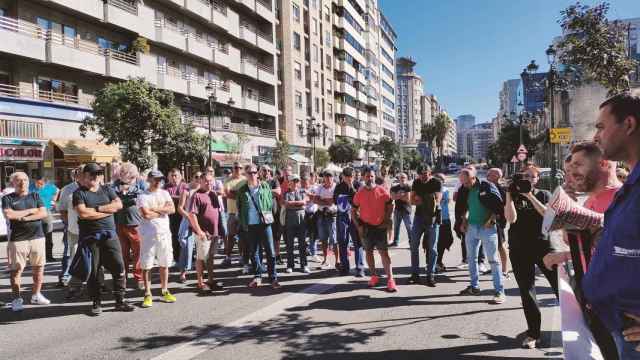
319	315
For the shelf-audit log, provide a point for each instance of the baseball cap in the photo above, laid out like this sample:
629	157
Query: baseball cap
93	168
294	177
326	172
155	174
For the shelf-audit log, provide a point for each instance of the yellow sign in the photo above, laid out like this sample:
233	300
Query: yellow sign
560	136
47	164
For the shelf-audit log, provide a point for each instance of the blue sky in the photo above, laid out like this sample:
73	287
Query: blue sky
465	49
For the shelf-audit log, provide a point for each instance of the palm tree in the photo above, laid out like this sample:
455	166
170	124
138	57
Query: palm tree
428	135
441	125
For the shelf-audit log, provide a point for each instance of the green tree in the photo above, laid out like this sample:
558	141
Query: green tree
428	135
502	151
342	151
441	125
322	158
185	146
594	47
281	152
135	115
389	149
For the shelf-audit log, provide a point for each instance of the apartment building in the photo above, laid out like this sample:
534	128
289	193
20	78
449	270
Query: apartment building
55	54
306	75
409	106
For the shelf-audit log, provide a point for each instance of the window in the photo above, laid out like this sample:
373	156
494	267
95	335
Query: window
388	87
296	41
299	100
316	79
316	53
328	61
386	70
388	102
330	110
314	4
296	12
355	44
327	13
317	105
297	69
300	127
315	26
57	90
386	55
327	38
3	12
329	89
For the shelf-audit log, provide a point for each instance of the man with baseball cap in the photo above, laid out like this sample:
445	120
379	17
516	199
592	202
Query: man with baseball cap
96	204
155	207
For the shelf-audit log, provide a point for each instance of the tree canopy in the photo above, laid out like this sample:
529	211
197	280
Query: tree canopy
507	144
342	151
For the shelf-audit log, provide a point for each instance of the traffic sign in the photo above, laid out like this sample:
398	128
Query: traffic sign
522	150
560	135
513	159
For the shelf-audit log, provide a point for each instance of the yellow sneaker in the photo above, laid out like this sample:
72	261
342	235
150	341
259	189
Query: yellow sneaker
147	302
167	297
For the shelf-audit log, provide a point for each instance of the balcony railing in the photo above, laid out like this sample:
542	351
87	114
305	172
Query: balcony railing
11	24
220	7
44	95
21	129
121	56
264	3
265	36
126	5
266	68
267	100
224	48
218	123
75	43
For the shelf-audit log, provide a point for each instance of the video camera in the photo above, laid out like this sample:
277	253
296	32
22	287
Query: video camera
520	185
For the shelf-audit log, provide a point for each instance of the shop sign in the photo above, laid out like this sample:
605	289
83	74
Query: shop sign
8	153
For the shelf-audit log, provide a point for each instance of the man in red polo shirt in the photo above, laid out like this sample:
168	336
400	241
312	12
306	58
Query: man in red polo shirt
372	207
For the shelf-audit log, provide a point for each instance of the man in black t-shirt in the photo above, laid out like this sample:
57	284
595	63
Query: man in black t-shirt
426	194
402	211
96	204
25	212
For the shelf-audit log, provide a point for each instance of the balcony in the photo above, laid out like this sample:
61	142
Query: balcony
14	91
22	38
91	8
266	74
248	34
75	53
345	88
219	14
201	8
234	55
123	13
265	42
221	55
21	129
199	47
264	9
122	65
267	106
250	102
249	68
172	79
251	4
170	35
221	124
346	109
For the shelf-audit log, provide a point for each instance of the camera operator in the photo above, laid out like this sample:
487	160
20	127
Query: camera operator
524	210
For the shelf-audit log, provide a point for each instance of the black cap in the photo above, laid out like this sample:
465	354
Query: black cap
347	171
93	168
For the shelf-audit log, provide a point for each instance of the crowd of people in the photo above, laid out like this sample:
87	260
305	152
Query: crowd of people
134	223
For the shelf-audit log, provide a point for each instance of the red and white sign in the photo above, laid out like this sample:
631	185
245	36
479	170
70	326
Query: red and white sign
522	150
11	152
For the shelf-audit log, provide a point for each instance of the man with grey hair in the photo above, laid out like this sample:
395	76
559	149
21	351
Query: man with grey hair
25	211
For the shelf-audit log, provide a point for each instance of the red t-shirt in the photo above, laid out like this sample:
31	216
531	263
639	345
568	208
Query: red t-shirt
600	201
372	204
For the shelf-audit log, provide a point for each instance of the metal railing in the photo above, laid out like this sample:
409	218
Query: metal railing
265	36
44	95
9	90
75	43
224	48
25	28
267	100
21	129
52	96
129	6
122	56
266	4
266	68
218	123
220	7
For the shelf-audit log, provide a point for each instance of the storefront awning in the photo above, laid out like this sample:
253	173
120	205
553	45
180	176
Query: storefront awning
300	159
87	150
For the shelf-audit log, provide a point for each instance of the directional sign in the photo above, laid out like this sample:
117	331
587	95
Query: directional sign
560	135
522	150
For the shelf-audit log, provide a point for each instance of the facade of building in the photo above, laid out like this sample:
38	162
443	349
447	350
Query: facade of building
463	141
409	92
54	56
306	74
430	107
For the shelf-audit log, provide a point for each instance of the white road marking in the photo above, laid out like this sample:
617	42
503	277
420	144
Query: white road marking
231	330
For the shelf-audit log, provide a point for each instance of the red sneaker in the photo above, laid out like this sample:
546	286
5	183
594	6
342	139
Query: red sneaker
391	286
374	280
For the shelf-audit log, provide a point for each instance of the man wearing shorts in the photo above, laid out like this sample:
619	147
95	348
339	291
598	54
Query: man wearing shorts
373	208
327	213
25	212
203	217
231	186
155	206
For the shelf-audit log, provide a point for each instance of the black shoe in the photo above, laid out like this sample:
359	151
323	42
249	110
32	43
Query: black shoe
217	287
104	290
62	283
359	273
414	279
431	281
72	294
470	291
51	259
279	260
96	308
124	306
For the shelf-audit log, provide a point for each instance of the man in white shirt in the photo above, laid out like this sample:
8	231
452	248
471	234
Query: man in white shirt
155	207
69	217
327	213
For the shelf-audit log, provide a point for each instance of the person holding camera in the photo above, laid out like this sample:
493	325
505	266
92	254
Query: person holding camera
525	207
479	204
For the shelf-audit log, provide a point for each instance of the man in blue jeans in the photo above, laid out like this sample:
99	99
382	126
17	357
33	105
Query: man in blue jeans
346	228
483	203
426	194
400	193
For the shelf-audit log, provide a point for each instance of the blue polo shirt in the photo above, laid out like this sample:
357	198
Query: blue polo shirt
46	192
611	284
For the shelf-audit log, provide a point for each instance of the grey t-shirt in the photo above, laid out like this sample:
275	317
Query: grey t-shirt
129	215
24	230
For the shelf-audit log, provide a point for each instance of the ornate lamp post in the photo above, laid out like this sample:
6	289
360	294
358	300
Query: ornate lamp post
211	89
314	130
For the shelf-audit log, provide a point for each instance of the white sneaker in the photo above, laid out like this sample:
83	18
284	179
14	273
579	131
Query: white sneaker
245	270
16	304
482	268
289	270
39	299
463	266
306	270
316	258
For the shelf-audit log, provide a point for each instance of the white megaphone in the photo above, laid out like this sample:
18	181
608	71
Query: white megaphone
565	213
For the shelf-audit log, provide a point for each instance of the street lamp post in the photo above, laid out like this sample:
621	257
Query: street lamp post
551	83
211	89
314	131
